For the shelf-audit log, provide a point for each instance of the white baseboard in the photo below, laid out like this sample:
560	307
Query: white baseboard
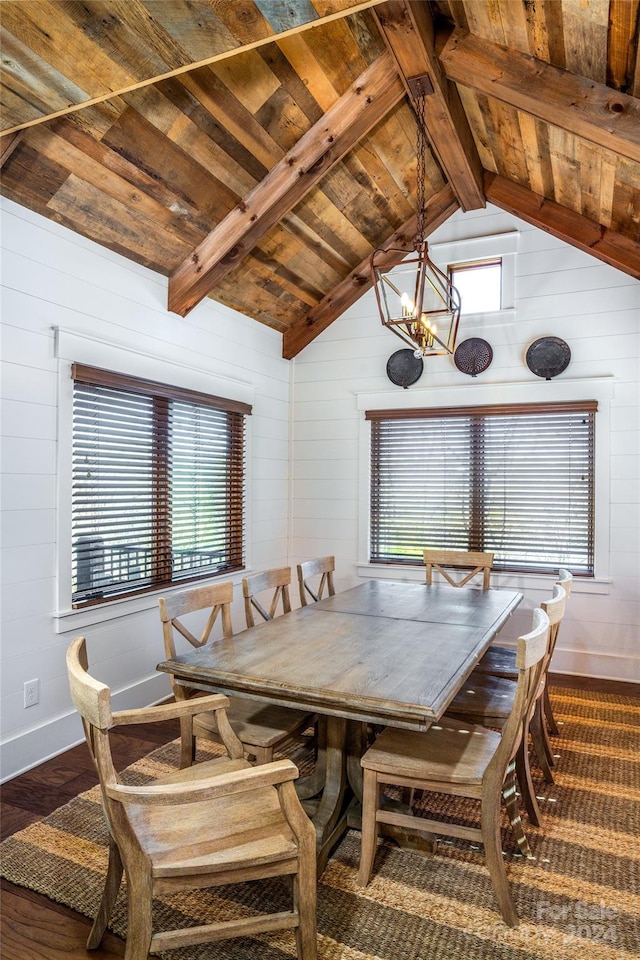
28	749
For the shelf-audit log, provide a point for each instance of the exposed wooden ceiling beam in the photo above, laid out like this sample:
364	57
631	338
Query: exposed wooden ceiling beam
366	102
602	242
8	145
439	208
408	31
177	71
582	107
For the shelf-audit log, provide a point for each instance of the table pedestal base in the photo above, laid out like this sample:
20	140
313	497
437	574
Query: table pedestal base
332	794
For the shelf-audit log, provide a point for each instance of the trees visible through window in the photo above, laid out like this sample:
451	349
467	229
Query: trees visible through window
158	485
516	480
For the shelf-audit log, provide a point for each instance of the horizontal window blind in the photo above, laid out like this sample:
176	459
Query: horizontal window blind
157	488
517	480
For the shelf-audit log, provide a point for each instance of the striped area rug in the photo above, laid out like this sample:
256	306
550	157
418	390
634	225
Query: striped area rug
578	899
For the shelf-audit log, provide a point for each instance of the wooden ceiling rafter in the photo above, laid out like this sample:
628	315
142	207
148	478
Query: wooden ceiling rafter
585	108
438	209
567	225
409	32
174	154
366	102
119	91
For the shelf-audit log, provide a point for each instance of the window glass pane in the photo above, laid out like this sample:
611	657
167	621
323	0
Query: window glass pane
479	286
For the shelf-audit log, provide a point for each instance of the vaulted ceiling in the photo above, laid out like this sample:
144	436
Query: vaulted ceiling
258	151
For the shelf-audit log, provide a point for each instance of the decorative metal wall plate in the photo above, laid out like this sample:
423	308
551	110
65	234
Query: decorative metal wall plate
403	368
473	356
548	356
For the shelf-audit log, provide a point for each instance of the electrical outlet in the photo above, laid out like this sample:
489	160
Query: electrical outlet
31	693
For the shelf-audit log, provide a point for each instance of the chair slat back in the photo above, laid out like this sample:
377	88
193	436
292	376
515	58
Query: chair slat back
554	609
565	579
216	598
276	580
323	567
475	562
530	657
92	700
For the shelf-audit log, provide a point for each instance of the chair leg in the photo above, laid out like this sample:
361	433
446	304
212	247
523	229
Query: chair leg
535	728
187	743
109	894
139	906
546	742
527	790
495	862
304	887
513	810
548	712
369	836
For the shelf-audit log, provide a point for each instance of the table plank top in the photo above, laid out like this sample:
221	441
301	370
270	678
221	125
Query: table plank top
438	603
386	669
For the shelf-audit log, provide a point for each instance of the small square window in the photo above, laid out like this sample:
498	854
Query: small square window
479	284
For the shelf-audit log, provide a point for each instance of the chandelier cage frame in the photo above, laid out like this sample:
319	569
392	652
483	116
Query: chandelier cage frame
416	299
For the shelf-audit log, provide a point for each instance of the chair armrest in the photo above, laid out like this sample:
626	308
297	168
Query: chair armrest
171	711
208	788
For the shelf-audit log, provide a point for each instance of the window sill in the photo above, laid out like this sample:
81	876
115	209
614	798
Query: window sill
514	581
67	620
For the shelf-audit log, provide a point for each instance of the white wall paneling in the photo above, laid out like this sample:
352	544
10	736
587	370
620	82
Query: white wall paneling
308	449
558	291
112	313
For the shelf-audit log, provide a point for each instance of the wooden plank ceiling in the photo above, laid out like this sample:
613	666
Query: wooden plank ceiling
258	151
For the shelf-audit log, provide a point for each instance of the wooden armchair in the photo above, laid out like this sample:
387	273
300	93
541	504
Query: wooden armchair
323	567
261	727
474	562
220	822
278	581
462	760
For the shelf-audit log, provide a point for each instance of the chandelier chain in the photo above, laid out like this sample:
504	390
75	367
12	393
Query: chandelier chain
421	167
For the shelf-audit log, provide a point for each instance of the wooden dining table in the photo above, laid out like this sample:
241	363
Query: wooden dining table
384	653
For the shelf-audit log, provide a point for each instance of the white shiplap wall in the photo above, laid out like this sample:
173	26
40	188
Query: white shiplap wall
54	278
558	291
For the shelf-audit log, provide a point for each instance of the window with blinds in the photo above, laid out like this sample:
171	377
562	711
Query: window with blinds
517	480
158	485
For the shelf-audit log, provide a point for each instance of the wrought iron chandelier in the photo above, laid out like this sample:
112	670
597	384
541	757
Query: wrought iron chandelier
416	300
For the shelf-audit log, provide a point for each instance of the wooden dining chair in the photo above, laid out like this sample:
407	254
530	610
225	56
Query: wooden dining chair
219	822
461	760
278	582
473	562
565	579
487	700
308	571
261	727
499	661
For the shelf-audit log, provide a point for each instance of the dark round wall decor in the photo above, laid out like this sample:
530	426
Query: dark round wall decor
473	356
404	368
548	356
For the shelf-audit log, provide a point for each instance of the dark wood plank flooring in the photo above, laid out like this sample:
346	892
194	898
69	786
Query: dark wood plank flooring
33	927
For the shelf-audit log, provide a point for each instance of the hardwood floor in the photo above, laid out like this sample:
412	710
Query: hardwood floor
33	927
